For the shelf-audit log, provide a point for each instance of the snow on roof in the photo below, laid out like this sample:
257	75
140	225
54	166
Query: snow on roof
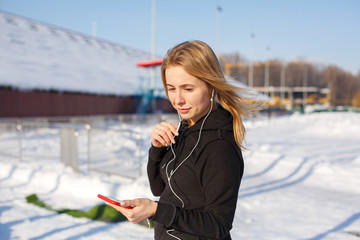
39	56
35	55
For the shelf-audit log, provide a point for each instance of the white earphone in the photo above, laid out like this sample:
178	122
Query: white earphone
172	172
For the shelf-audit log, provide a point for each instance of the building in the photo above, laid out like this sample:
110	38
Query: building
50	71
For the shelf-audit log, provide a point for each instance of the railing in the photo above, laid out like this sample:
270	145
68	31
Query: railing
26	140
101	144
115	151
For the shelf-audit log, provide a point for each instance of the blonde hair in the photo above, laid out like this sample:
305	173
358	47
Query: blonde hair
199	60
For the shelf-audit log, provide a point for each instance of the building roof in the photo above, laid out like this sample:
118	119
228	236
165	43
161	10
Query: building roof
39	56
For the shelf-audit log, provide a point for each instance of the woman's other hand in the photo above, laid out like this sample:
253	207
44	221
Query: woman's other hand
163	134
142	208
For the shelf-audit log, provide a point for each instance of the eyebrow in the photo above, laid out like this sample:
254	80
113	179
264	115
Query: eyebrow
184	85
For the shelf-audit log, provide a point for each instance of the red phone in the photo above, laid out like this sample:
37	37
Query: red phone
113	201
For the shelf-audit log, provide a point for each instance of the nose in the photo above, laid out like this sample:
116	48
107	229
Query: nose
179	99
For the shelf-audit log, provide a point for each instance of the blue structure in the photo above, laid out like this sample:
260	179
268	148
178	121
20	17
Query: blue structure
149	96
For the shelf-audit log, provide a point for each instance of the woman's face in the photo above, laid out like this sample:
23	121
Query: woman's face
188	95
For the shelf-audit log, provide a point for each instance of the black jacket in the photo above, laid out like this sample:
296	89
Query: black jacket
207	182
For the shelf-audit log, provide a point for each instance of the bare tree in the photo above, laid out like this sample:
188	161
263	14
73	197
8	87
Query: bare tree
343	85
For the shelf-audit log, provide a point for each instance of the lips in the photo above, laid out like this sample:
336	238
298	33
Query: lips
183	110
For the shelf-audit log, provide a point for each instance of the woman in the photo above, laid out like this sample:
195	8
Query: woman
195	166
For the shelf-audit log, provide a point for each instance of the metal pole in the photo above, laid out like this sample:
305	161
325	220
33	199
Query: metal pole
251	67
153	29
93	29
153	52
88	128
219	9
140	159
305	85
19	129
282	83
153	40
266	77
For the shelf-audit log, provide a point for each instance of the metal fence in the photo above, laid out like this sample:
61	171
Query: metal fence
84	144
29	139
114	151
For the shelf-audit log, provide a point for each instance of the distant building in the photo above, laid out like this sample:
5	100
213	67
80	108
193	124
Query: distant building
51	71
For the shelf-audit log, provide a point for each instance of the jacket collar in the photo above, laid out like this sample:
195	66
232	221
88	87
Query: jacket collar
219	118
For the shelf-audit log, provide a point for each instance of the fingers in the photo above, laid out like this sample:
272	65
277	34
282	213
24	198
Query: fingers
142	209
166	132
163	134
118	208
125	208
127	204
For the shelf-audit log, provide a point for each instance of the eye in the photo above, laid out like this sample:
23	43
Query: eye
171	89
189	89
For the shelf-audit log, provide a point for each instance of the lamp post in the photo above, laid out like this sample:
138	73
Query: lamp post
93	28
266	77
153	52
153	29
305	80
219	10
251	68
282	83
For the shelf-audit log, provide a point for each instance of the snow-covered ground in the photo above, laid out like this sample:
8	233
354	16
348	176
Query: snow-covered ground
301	182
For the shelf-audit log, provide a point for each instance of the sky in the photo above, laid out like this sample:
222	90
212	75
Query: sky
323	31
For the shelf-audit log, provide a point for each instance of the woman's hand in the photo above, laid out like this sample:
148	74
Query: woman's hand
143	208
163	134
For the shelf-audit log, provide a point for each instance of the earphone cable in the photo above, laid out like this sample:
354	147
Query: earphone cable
172	172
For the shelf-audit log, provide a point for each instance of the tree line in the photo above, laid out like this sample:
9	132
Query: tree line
344	86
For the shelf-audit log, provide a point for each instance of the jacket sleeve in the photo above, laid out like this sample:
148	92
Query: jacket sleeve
153	170
220	169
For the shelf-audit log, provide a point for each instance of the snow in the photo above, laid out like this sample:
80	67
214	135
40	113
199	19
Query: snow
301	181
